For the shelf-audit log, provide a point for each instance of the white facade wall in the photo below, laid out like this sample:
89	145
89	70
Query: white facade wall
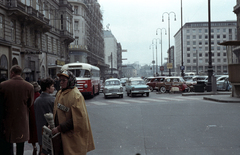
110	47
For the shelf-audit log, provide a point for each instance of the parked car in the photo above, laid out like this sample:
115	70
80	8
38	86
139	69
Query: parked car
123	81
136	86
113	87
173	83
190	83
224	84
101	86
152	83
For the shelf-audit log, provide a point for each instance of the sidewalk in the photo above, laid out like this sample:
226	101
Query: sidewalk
218	96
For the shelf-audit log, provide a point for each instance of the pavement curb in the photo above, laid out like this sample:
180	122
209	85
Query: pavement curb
221	100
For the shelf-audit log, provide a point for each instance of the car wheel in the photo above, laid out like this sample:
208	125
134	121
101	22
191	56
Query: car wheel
163	89
147	94
105	97
151	88
122	96
127	94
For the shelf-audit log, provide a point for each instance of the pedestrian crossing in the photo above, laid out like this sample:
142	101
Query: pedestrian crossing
128	101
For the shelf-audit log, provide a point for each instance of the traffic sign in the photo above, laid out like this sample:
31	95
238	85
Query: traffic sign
161	68
182	67
169	66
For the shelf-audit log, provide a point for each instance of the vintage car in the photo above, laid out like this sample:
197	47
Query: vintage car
152	83
173	83
113	87
224	84
136	86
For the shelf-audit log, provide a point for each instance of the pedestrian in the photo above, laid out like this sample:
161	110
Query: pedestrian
32	121
5	148
42	105
18	96
71	118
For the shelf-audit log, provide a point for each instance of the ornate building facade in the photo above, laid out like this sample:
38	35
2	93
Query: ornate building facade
35	34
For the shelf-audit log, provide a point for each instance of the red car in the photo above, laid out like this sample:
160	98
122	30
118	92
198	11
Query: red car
153	82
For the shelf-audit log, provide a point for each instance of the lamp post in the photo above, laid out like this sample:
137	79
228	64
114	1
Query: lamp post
156	39
169	54
161	41
153	62
182	73
210	70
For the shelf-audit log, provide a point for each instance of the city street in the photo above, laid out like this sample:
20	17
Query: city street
162	124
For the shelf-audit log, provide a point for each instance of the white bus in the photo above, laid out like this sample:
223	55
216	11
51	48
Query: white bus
88	77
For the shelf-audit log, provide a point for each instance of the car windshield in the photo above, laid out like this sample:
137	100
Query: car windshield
109	83
137	82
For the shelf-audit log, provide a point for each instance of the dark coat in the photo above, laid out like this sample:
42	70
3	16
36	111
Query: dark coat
42	105
32	122
18	95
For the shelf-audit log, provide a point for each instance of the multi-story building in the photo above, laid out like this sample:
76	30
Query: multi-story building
111	53
35	35
196	47
88	46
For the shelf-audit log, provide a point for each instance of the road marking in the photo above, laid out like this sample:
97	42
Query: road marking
98	103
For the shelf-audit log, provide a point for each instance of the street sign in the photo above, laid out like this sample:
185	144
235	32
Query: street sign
182	67
161	68
169	66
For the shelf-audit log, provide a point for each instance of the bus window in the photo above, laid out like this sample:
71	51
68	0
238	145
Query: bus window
87	73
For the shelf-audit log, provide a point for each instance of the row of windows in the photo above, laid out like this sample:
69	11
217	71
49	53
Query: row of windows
223	36
200	68
206	60
212	30
206	48
206	54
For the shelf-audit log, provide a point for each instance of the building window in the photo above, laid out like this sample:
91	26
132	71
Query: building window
188	31
218	60
200	31
200	37
206	54
13	30
218	47
206	30
194	60
75	10
224	60
194	54
200	43
1	27
224	36
218	68
218	54
188	49
76	25
206	36
188	42
206	48
188	68
200	54
224	68
200	48
188	55
206	60
76	40
218	36
194	42
206	42
194	68
188	60
224	54
200	68
188	37
194	37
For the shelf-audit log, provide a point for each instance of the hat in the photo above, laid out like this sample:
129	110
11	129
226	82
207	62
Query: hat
36	86
63	73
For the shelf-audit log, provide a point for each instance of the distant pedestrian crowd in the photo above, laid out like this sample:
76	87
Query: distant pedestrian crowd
22	109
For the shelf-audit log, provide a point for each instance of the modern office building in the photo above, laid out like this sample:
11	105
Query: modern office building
196	47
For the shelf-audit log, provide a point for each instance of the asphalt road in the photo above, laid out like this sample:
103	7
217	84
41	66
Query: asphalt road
162	124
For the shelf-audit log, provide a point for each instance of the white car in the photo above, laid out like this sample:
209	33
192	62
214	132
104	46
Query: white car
113	87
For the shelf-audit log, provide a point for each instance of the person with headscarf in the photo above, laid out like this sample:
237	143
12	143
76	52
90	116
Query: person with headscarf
71	118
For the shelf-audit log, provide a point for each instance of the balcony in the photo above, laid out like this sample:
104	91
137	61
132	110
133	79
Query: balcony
27	14
66	36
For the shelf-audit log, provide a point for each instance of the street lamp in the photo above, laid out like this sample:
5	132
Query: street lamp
210	70
169	54
156	53
161	41
153	56
182	73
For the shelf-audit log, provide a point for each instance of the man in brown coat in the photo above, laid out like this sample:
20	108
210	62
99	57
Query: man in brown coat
18	97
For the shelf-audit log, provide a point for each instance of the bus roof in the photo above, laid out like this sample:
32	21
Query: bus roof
79	66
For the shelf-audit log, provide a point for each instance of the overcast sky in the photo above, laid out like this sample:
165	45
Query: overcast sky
134	22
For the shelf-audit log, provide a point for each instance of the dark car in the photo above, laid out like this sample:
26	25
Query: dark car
153	82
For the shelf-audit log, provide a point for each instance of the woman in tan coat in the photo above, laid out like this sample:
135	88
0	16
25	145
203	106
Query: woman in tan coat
71	118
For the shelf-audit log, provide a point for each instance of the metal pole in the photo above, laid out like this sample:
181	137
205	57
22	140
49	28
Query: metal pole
169	53
210	70
197	60
156	60
182	38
